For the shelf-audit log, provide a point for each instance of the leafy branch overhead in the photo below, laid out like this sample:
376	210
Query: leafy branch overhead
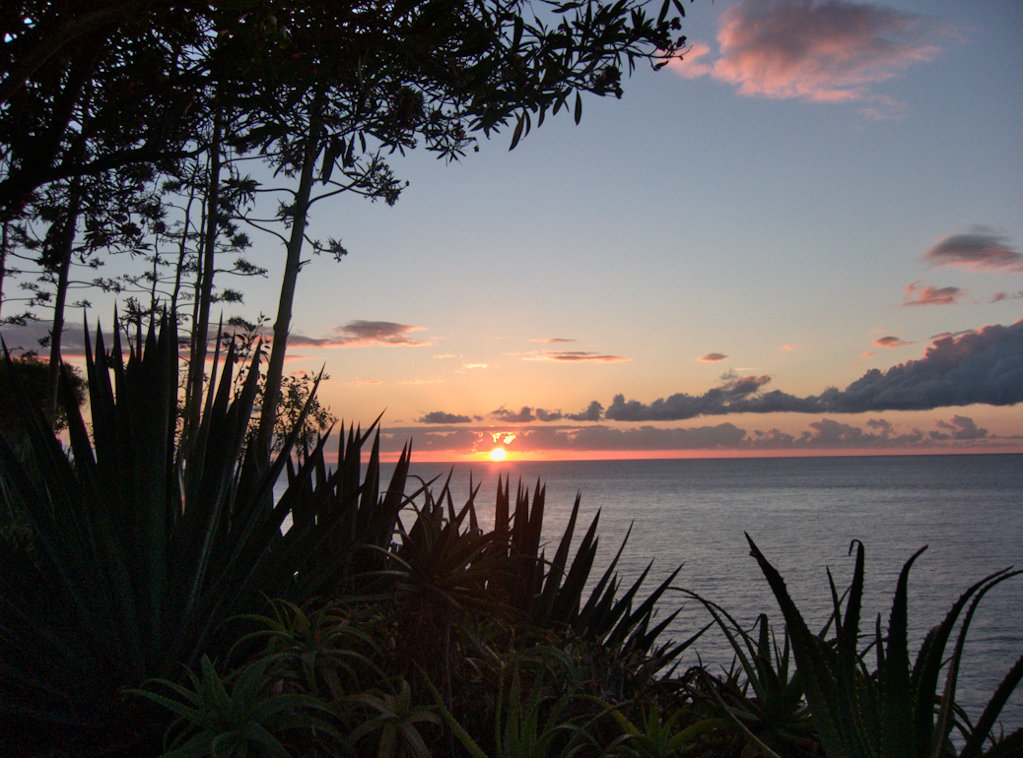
150	73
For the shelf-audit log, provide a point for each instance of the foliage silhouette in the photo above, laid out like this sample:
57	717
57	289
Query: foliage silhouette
896	710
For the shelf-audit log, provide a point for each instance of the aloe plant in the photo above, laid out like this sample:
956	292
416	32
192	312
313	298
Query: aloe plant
535	712
323	651
659	734
390	718
240	716
762	694
896	710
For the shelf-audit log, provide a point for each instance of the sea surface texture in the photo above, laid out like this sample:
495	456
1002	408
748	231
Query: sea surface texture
803	513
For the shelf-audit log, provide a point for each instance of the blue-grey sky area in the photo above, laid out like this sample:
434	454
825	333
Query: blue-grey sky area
805	236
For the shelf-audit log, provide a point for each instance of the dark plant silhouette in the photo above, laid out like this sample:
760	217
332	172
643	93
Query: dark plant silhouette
896	710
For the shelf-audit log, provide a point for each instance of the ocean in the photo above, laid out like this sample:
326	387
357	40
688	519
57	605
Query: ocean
803	513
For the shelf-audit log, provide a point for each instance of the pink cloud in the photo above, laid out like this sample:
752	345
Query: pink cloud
821	52
891	342
712	357
978	250
927	295
364	334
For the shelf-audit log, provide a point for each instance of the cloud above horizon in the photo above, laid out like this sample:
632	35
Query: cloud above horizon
959	428
712	357
527	414
442	417
364	334
979	366
919	294
819	52
570	356
891	342
978	250
822	434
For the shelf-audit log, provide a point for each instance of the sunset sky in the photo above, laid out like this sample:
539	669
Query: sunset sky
806	237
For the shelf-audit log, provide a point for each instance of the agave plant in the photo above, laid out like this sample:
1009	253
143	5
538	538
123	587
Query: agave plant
896	710
552	592
141	549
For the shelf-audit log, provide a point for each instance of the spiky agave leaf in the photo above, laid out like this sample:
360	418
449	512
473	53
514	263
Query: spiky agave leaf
143	549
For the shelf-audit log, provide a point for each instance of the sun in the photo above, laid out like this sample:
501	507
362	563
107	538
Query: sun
498	454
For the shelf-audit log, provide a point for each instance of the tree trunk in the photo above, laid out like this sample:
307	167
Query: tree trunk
62	264
275	366
204	287
4	239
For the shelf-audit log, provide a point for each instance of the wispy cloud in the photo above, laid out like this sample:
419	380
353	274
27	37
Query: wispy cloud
921	294
979	250
552	340
357	382
712	357
821	52
364	334
573	356
891	342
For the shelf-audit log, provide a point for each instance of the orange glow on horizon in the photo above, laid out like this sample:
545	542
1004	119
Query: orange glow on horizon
498	454
454	456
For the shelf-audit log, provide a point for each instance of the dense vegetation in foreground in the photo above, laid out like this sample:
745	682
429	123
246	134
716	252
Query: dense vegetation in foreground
151	602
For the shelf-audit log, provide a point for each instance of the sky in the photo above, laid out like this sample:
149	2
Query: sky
803	238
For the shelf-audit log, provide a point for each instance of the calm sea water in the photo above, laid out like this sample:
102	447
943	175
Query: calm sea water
803	513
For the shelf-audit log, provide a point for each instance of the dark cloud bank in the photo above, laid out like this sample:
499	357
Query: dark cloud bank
822	434
981	366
